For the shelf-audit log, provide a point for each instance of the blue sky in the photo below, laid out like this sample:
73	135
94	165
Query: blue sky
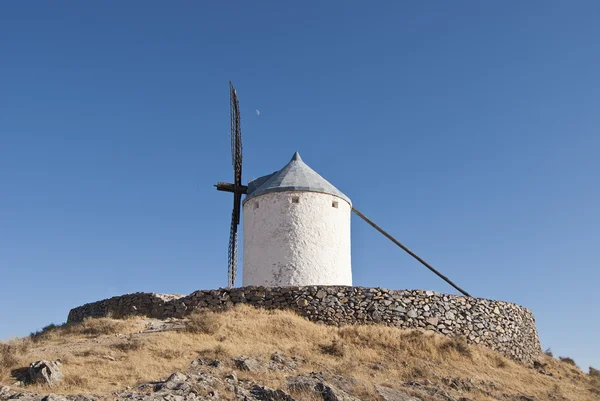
467	129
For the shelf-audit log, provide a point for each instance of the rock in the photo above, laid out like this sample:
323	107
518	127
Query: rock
175	382
449	315
54	397
432	321
268	394
389	394
302	302
315	383
215	363
45	372
110	358
321	294
248	364
412	313
277	357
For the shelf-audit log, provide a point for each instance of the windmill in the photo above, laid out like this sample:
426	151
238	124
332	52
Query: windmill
301	234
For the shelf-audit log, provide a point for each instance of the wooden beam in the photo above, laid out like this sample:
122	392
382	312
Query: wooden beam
411	253
227	187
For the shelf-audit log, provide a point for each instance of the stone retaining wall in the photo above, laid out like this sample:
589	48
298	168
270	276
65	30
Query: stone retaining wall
501	326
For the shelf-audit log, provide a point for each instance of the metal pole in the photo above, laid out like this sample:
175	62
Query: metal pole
411	253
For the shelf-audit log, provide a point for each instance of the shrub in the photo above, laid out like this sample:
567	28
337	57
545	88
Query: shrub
100	326
549	353
458	344
8	357
595	381
500	361
568	360
204	322
132	344
44	332
335	348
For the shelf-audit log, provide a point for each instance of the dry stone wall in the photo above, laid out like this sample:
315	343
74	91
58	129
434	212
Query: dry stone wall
501	326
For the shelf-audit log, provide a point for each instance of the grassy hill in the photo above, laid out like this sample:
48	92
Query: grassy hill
104	356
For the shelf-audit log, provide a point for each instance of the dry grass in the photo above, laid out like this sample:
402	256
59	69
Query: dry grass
88	328
594	381
8	357
568	360
335	348
104	355
204	322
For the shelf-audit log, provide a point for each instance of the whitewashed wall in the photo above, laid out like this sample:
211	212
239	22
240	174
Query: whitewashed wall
296	244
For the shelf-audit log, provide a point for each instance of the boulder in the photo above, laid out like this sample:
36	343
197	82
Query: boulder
316	384
249	365
268	394
177	381
54	397
44	372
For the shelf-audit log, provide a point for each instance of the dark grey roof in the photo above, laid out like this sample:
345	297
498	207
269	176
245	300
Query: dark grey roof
295	176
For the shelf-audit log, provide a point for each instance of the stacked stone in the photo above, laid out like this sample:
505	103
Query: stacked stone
501	326
137	304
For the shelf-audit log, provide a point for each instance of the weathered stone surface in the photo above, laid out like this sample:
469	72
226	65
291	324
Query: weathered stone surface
54	397
44	372
175	382
249	364
501	326
268	394
316	384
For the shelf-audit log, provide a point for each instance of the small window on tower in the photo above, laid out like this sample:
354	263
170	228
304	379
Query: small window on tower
334	204
256	205
295	199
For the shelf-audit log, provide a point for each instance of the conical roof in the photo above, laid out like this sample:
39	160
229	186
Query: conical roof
294	176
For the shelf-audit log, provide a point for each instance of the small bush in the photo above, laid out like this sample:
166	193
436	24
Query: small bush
500	362
549	353
8	357
169	354
44	332
335	348
75	382
100	326
568	360
204	322
418	372
220	351
458	344
132	344
594	372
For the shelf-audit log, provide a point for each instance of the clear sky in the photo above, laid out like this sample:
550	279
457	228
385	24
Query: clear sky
467	129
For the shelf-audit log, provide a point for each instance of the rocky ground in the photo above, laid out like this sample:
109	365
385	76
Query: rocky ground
248	354
209	379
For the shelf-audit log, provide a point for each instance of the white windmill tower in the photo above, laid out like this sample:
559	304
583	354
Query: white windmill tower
296	224
296	229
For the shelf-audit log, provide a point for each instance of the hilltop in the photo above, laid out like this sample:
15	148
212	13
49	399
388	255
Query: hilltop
252	354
